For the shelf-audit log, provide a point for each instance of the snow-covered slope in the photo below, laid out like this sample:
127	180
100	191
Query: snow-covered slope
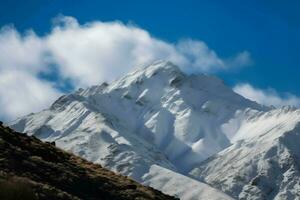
181	186
156	107
159	122
263	162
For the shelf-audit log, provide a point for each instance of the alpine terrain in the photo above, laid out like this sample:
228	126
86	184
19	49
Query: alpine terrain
189	136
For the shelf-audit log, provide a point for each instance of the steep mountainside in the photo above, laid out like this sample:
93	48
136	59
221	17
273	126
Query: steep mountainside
263	162
159	122
181	186
173	117
31	169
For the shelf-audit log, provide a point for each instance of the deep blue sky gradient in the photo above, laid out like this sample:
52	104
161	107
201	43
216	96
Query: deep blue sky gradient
268	29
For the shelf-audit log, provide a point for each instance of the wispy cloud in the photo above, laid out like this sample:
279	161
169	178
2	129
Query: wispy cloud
89	54
267	97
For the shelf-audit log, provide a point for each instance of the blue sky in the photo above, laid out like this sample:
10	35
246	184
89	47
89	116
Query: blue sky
268	30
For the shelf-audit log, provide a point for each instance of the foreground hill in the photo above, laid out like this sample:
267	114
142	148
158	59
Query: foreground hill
31	169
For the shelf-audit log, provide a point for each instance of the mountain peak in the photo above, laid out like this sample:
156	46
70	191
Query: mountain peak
161	71
160	67
162	64
155	115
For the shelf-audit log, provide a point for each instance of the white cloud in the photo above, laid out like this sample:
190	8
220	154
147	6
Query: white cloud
266	97
22	93
89	54
241	59
20	52
98	51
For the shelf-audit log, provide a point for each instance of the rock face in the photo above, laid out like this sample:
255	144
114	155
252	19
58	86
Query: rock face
158	121
31	169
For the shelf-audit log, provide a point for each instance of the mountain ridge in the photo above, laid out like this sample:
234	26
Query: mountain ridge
272	172
155	116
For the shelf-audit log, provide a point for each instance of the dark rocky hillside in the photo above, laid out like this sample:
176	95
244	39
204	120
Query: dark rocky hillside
32	169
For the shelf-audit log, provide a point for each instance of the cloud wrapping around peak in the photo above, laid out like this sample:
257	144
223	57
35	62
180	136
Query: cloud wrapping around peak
98	51
89	54
267	97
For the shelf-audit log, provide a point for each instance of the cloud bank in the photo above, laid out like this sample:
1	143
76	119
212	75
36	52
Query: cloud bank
266	97
88	54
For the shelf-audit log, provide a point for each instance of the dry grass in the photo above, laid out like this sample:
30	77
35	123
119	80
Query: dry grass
50	173
16	188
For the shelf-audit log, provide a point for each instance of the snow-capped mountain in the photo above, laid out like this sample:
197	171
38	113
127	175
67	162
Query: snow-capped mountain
264	160
159	126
